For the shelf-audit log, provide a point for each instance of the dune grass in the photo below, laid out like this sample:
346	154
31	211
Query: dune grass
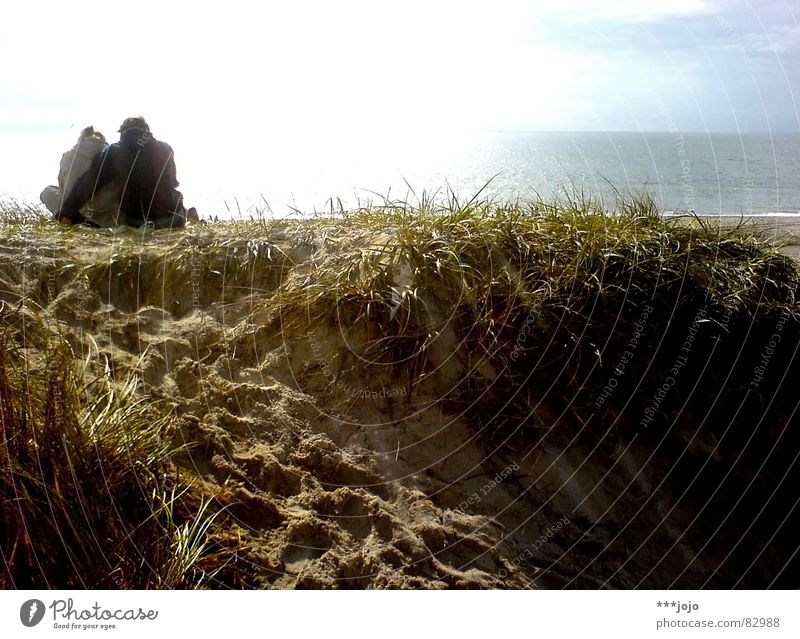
555	253
538	302
89	497
554	287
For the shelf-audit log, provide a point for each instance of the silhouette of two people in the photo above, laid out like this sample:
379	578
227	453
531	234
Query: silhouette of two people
132	182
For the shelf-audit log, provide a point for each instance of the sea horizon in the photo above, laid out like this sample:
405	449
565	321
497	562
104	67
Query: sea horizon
312	172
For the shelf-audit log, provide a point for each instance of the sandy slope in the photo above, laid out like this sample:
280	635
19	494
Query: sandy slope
344	475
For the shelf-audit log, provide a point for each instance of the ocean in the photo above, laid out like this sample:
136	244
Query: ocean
708	173
309	171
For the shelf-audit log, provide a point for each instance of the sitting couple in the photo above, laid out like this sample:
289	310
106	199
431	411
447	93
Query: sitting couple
131	182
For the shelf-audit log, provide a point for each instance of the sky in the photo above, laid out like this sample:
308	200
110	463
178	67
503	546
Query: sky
235	80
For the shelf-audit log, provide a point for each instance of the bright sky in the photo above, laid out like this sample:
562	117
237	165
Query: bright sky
237	79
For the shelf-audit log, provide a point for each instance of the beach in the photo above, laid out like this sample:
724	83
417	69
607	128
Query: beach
783	229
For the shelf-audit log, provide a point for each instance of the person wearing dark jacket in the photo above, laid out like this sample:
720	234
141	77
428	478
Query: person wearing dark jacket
144	169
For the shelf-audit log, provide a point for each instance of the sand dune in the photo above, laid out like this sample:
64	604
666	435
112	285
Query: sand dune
339	470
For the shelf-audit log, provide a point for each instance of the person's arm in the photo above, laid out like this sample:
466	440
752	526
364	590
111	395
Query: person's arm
63	169
96	177
171	173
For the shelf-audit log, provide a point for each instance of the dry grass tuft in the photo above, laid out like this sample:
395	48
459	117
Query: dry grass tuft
85	481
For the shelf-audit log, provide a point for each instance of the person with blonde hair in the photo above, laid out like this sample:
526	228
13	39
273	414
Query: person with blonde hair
103	208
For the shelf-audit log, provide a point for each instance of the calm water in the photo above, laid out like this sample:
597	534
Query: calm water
708	173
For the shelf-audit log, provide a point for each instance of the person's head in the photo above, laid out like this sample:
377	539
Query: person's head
89	132
137	122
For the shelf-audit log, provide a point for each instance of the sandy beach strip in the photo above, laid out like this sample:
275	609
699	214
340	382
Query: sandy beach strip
783	229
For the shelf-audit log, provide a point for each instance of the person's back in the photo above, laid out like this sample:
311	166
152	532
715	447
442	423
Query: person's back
103	207
76	161
150	192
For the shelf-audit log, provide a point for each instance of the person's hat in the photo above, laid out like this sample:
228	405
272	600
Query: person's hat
134	123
